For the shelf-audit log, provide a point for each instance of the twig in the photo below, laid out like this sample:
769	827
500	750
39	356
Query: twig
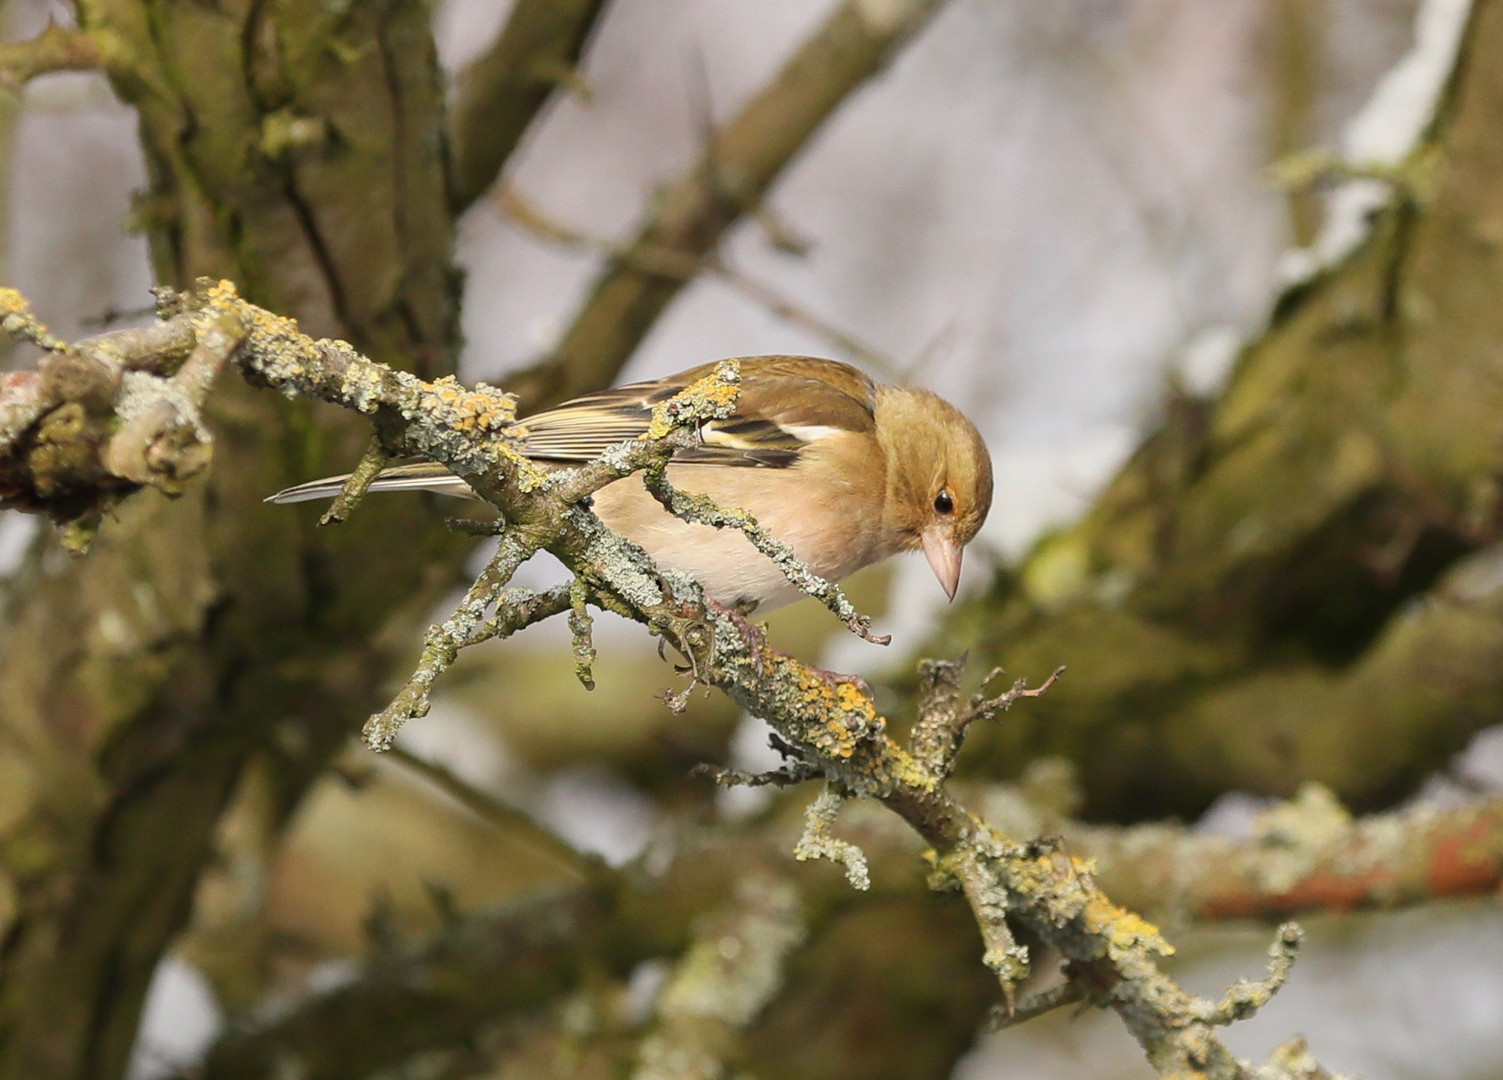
579	629
518	825
499	94
819	841
1033	1006
942	726
691	214
20	323
977	870
704	510
372	461
57	48
466	626
522	211
1247	996
796	773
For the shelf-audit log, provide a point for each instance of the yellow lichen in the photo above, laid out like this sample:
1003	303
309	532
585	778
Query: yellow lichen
712	396
1125	932
12	301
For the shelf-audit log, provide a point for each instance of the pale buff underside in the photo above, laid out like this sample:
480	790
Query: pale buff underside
812	506
822	524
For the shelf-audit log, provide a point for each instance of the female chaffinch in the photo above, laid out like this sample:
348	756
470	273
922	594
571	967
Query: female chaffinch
844	470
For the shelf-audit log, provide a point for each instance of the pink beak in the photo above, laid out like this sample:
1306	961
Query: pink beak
943	554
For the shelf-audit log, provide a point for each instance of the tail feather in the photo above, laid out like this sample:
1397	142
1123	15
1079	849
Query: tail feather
419	476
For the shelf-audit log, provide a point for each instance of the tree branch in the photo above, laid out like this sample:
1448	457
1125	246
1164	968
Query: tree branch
1308	856
524	213
437	994
498	95
733	968
740	164
57	48
98	421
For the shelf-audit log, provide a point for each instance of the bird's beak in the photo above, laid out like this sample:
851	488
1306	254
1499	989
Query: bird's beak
943	554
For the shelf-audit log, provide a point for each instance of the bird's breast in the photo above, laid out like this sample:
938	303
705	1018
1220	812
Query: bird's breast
827	523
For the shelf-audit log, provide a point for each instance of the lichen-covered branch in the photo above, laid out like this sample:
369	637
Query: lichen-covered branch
829	722
732	969
743	159
942	723
496	97
99	420
1308	855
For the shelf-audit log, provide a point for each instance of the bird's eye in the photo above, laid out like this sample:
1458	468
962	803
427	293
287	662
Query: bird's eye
944	503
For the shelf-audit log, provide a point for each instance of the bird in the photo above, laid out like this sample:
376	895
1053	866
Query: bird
845	470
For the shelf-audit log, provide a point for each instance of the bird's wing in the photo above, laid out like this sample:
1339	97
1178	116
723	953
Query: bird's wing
415	476
785	403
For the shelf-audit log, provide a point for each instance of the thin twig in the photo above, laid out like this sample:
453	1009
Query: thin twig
519	826
58	48
797	773
523	212
1033	1006
704	510
372	461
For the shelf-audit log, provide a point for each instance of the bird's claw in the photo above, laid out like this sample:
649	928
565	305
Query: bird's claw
749	633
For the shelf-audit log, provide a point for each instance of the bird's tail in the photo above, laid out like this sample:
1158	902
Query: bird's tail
418	476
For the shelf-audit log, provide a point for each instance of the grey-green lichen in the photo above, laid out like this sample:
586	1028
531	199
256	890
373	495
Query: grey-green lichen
579	627
819	841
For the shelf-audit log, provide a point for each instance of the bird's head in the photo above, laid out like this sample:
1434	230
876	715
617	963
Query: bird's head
939	478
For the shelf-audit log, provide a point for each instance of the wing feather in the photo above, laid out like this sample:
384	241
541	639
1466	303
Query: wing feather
785	403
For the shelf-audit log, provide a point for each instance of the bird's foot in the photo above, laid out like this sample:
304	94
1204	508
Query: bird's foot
834	679
753	637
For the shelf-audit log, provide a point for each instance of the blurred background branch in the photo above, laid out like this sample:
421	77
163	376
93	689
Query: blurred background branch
57	48
497	96
742	159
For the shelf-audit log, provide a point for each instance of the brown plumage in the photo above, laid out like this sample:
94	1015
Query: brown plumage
844	470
